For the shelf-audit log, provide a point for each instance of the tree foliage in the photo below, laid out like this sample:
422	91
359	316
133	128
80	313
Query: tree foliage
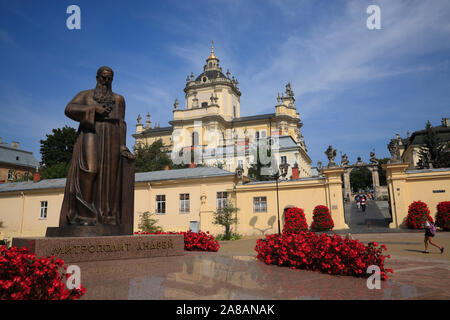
226	217
381	171
255	169
55	171
152	157
56	152
360	178
434	153
147	223
58	147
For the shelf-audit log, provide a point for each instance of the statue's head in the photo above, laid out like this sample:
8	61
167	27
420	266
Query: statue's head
103	91
105	76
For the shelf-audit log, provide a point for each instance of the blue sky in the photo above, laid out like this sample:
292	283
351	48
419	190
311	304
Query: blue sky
355	88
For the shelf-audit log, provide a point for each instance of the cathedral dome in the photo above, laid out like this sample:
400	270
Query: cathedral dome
209	75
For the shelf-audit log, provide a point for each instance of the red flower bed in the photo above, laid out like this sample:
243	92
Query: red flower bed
418	213
23	276
194	241
294	221
443	215
322	219
333	255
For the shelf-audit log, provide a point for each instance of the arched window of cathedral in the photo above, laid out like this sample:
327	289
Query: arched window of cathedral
204	104
234	111
204	79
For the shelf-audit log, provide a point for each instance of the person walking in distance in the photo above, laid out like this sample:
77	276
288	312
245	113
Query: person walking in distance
357	200
430	231
363	203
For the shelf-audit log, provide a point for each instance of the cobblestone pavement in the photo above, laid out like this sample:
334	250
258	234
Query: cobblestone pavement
234	273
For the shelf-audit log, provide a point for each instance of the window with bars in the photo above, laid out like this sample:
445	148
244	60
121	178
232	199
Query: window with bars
161	204
44	206
184	203
259	204
222	198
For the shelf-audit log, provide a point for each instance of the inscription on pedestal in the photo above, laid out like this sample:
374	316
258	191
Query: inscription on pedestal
104	248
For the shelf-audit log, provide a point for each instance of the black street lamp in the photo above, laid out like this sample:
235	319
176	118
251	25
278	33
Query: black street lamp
280	173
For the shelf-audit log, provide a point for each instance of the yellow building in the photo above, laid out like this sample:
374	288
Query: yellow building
187	199
406	186
181	199
410	147
210	124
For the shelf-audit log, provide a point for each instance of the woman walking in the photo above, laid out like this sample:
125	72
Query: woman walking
430	231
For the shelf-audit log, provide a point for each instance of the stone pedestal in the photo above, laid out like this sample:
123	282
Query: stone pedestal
87	231
79	249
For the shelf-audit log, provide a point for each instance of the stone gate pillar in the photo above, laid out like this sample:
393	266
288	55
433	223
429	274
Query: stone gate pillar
375	179
396	180
347	187
335	201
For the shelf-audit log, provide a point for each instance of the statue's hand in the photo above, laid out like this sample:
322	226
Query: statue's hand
101	110
124	152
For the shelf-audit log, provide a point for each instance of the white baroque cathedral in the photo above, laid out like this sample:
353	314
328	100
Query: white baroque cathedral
209	129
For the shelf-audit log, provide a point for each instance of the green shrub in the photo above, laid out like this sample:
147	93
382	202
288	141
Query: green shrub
233	236
148	224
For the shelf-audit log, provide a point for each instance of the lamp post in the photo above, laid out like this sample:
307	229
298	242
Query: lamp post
280	173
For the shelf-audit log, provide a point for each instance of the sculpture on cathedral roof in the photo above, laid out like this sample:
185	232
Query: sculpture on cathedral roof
289	91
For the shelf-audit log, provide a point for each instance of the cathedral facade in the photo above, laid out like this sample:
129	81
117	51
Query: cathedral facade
209	129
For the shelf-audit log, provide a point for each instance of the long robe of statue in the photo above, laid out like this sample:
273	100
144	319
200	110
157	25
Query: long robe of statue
95	186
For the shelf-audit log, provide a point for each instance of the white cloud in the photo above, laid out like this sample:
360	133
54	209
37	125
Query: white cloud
340	53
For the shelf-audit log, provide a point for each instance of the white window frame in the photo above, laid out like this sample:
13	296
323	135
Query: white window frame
285	159
259	204
263	134
160	204
44	210
222	199
184	203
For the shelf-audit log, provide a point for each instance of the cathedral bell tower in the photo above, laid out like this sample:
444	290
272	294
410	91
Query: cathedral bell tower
213	90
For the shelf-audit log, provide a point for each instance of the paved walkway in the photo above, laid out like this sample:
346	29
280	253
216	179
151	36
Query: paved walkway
371	220
235	274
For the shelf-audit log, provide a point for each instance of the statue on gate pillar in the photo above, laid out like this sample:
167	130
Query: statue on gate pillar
331	154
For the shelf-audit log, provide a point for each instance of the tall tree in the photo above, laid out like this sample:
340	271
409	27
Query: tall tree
152	157
360	178
434	153
255	169
226	217
56	152
381	171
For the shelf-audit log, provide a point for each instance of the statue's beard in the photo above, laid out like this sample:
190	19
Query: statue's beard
103	95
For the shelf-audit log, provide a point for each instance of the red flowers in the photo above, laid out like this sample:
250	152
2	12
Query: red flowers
332	255
322	219
443	215
294	221
194	241
418	213
23	276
